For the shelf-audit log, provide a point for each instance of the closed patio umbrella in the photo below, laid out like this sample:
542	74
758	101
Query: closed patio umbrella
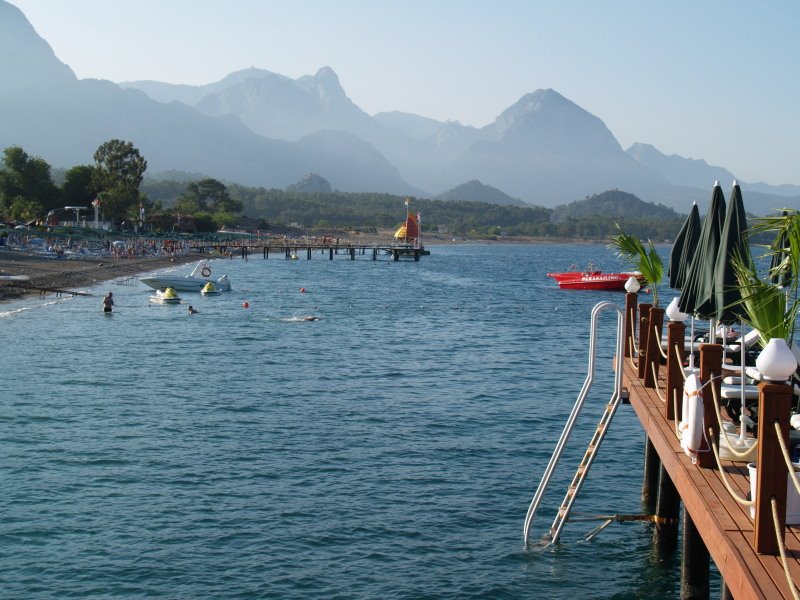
684	249
732	243
697	296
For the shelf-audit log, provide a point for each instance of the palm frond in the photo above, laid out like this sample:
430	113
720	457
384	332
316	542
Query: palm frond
647	261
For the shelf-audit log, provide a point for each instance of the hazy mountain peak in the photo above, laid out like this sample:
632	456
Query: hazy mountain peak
475	191
27	60
541	105
677	169
325	84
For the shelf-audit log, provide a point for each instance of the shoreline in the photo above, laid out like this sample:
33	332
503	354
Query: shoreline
72	275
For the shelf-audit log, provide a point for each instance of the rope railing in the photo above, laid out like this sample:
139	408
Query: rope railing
655	383
787	459
634	347
680	361
734	495
742	455
658	337
675	408
781	548
631	352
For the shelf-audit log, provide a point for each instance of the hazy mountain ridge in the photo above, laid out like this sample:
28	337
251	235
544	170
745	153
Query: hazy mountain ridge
262	128
613	204
475	191
64	120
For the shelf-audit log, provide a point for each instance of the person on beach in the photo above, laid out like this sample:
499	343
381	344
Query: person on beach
192	310
108	302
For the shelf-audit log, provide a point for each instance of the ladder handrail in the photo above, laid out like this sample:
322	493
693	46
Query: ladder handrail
578	406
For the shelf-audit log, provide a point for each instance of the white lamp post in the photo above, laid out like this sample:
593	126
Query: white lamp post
674	313
777	361
632	285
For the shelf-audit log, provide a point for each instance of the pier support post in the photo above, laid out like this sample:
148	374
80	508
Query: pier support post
774	402
653	354
695	562
374	254
710	370
668	507
352	253
396	255
330	253
676	332
724	591
308	253
644	326
630	320
652	466
266	252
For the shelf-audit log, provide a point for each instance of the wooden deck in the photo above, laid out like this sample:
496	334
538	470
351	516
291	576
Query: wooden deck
724	524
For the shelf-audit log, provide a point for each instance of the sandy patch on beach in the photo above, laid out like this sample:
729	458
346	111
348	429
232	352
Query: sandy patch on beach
74	275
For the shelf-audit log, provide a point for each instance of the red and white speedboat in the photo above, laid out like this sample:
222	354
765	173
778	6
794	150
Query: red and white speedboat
593	280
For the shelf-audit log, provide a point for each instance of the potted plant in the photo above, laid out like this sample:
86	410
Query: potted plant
649	264
645	260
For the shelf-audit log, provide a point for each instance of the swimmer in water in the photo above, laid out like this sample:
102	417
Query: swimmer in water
192	310
311	318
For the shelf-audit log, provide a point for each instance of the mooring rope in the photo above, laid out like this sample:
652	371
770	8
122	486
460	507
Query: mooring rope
787	459
658	337
782	549
742	455
739	499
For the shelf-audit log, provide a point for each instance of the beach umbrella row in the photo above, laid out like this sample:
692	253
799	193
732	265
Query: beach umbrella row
684	249
701	260
698	293
733	243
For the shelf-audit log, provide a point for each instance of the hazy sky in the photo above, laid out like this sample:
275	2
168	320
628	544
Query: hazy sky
718	80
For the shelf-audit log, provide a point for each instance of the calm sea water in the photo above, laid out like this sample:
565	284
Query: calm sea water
388	450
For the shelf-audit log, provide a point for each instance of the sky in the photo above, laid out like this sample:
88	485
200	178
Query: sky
714	80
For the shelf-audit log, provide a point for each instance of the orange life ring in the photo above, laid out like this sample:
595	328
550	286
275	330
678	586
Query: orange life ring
206	272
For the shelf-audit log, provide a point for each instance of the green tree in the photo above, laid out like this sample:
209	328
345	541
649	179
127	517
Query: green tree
78	188
26	181
118	172
208	195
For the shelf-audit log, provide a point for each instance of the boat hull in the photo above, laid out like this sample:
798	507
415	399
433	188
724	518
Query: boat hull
182	284
594	280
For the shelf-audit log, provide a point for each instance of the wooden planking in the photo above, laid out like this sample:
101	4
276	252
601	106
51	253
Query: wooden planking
724	524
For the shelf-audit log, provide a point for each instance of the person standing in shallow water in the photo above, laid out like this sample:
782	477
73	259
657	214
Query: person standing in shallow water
108	302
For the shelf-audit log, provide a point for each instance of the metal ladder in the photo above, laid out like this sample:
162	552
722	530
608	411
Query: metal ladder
602	428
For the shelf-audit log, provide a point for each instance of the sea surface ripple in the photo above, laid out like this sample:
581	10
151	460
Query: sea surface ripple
389	449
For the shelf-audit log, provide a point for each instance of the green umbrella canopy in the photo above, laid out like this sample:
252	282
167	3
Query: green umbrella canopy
732	243
697	296
683	249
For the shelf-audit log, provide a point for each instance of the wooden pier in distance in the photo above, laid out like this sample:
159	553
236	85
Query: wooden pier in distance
714	523
296	250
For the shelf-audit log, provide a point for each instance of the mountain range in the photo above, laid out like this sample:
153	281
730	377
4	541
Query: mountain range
257	127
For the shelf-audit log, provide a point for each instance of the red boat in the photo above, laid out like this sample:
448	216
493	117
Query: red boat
593	280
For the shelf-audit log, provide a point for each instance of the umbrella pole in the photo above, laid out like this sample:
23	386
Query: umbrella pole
691	347
742	422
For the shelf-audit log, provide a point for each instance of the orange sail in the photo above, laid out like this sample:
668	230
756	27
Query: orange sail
408	230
